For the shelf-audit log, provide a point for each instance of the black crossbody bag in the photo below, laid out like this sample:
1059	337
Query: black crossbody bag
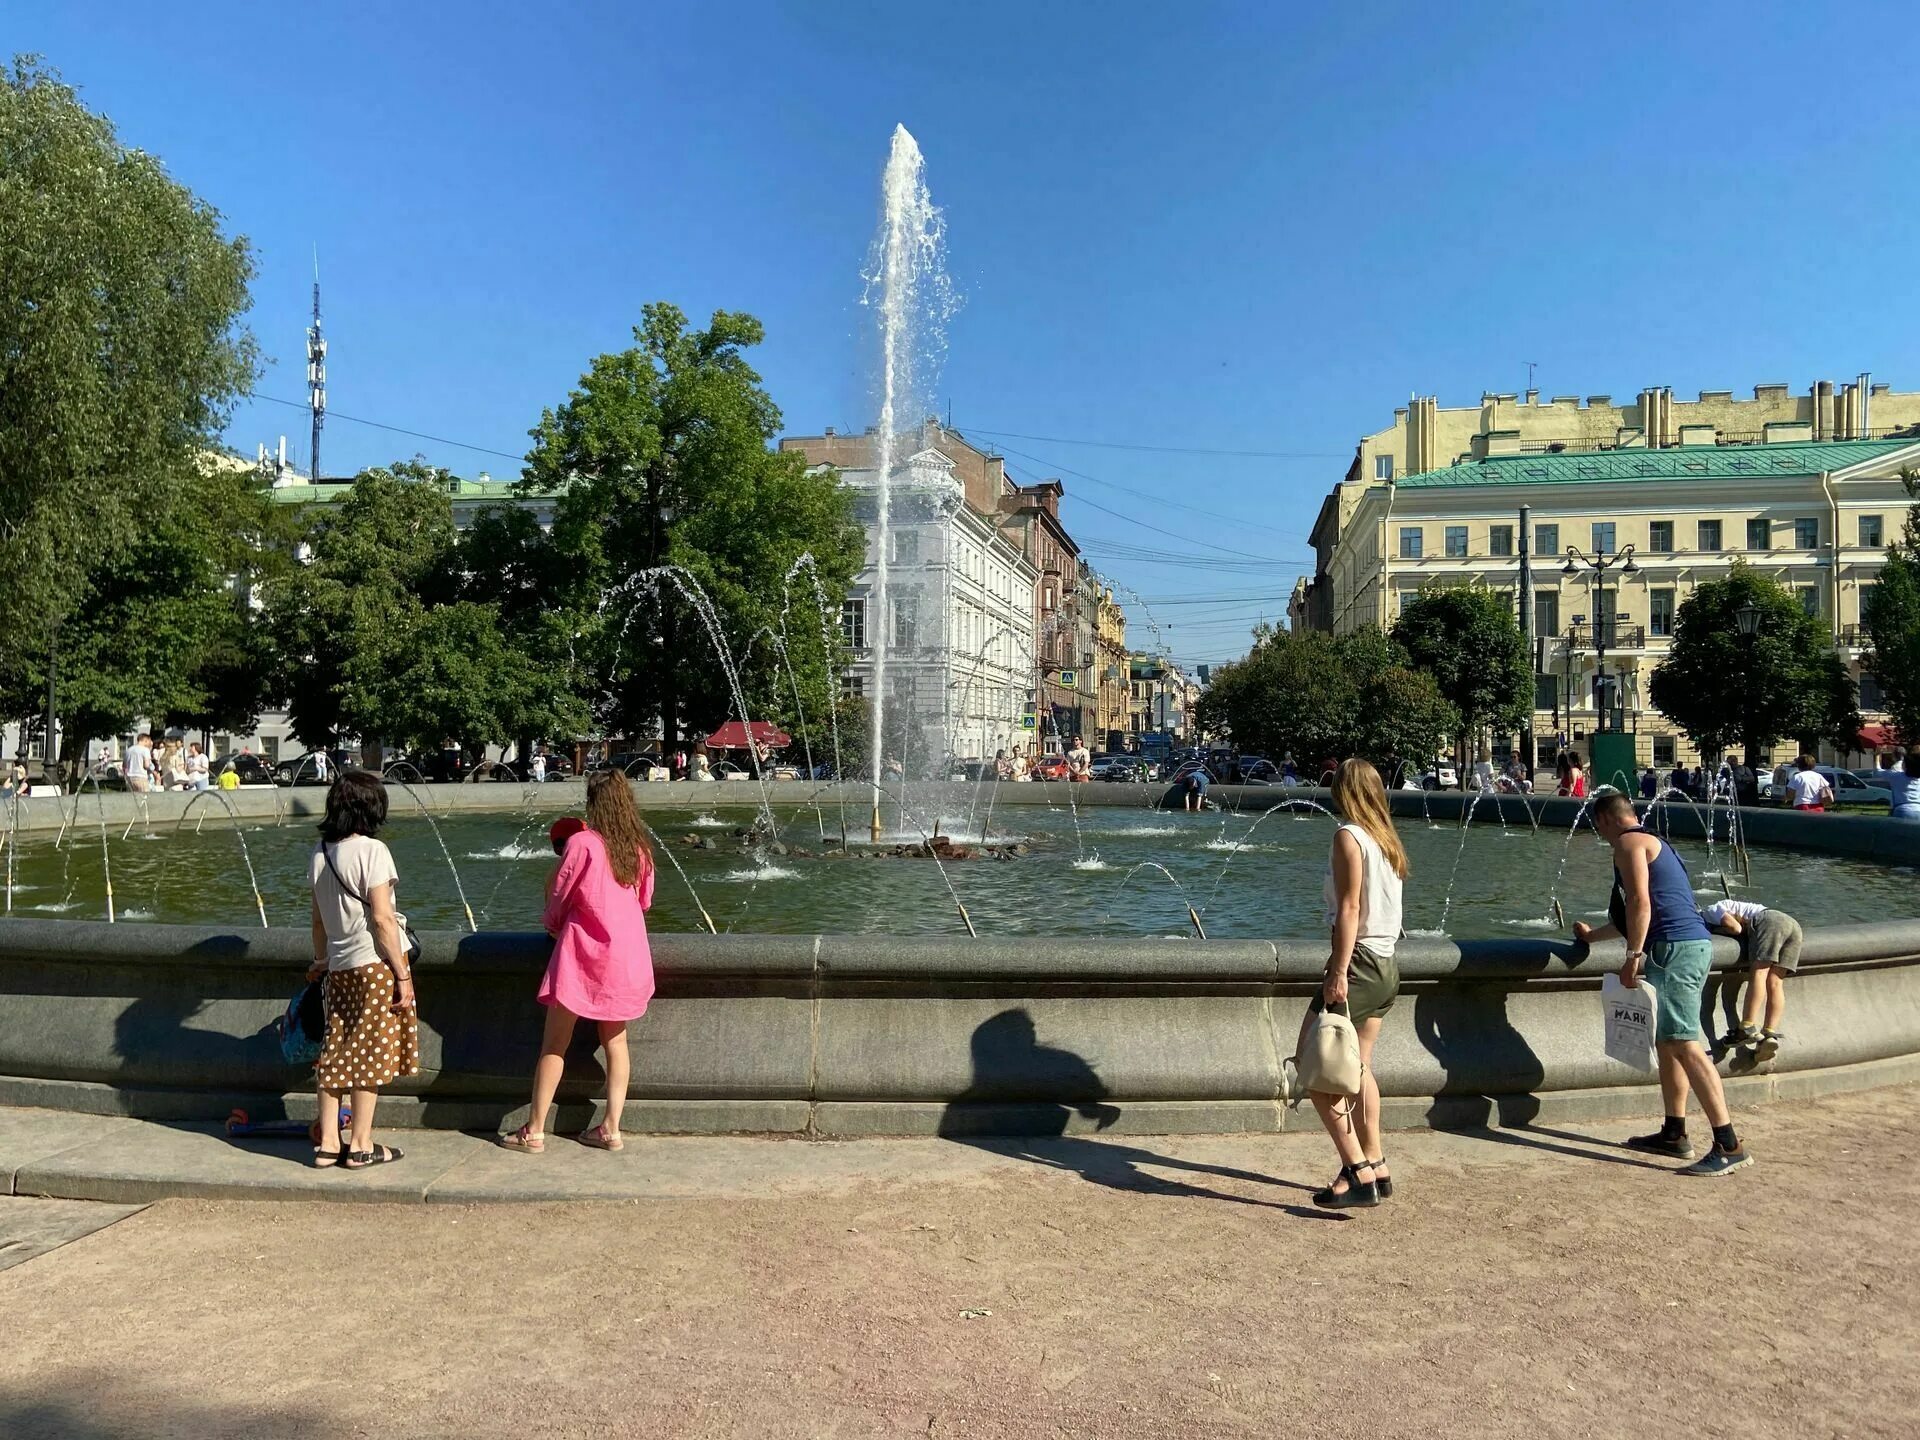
409	941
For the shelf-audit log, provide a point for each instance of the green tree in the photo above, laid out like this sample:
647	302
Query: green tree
164	630
121	348
1892	618
1320	697
660	457
1466	637
1783	682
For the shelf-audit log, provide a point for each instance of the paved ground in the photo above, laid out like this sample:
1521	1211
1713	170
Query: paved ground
1522	1283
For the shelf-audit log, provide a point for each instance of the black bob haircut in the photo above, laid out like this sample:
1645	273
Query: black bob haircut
356	805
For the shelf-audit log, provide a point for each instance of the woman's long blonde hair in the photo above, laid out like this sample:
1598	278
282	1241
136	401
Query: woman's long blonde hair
616	819
1359	795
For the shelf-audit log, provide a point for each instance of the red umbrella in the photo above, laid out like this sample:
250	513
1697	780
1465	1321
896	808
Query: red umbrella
733	736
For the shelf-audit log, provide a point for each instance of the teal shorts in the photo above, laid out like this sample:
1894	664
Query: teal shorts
1677	970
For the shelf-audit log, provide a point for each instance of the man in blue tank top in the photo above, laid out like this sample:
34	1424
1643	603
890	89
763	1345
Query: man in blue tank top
1666	939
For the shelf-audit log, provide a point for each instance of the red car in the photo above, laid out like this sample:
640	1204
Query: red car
1050	767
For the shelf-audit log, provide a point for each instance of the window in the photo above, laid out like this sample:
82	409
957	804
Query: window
906	547
1806	534
1499	540
1872	696
1871	534
1660	612
1868	589
1709	535
1660	536
1546	539
853	623
1760	533
1603	537
1410	538
1383	467
1663	754
1809	598
853	686
1606	608
1546	612
1546	693
903	629
270	748
1457	541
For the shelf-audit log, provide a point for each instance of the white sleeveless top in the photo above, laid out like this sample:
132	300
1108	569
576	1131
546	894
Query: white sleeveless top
1379	895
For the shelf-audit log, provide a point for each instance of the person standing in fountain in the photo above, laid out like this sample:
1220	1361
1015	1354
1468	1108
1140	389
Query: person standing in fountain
1363	909
373	1033
1659	921
602	965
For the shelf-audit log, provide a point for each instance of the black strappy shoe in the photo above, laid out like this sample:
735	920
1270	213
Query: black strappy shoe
1359	1194
367	1159
1382	1183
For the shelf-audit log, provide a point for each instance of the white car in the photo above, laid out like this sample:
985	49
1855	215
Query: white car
1850	789
1441	777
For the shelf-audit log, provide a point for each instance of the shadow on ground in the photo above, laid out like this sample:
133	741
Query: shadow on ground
1009	1060
97	1405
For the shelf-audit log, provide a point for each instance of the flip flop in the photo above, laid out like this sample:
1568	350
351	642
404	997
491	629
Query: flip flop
600	1138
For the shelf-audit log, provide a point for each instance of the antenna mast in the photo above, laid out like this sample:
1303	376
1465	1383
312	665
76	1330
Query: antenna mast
316	371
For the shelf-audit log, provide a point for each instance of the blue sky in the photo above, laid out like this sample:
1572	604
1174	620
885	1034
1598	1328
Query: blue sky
1206	228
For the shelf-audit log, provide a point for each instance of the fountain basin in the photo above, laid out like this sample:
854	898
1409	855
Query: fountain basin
871	1035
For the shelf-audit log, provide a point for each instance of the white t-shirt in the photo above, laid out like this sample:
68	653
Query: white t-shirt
196	767
1379	896
1079	760
1809	787
538	766
139	762
363	863
1745	911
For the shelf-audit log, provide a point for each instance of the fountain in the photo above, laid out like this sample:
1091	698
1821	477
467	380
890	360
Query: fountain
907	286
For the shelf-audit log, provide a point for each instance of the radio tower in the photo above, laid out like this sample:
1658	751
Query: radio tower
316	371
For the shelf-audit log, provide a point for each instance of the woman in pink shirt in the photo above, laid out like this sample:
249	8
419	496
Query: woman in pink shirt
602	968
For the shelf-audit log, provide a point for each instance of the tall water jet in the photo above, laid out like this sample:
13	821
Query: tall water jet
907	286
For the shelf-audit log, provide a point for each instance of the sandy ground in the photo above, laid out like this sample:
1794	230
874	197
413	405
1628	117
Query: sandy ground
1543	1283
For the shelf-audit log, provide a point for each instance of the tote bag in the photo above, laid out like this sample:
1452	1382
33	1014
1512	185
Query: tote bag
1630	1017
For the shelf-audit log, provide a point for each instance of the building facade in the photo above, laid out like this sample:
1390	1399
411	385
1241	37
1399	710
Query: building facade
1160	703
1814	515
1112	700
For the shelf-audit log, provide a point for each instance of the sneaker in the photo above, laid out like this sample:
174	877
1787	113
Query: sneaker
1741	1040
1768	1046
1718	1162
1673	1147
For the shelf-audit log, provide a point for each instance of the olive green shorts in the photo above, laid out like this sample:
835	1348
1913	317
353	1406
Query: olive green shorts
1372	982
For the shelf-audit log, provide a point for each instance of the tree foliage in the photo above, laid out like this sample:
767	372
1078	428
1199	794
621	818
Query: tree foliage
1726	689
1892	618
1325	697
121	348
660	454
1467	639
380	633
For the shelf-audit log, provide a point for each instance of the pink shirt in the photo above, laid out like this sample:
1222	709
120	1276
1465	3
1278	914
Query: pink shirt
602	966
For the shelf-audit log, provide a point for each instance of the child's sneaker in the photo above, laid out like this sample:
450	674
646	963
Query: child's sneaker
1767	1047
1743	1039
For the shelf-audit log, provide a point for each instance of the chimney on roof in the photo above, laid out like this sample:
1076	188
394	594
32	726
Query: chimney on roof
829	432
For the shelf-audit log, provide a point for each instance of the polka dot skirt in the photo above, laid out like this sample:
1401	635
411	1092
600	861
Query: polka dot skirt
368	1044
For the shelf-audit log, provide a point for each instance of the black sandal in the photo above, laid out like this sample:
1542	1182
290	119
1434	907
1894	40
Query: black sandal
1359	1194
327	1159
1382	1183
379	1155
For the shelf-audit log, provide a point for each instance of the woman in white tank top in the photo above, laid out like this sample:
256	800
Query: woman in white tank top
1363	913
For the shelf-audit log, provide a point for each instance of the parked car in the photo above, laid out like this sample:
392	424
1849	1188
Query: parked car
1442	776
302	769
1850	789
251	769
1050	767
1254	770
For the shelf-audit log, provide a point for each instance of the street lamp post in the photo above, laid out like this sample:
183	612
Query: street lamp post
1747	620
1602	621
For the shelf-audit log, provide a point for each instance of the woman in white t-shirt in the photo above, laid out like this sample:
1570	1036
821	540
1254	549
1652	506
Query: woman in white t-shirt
1363	911
373	1035
1810	789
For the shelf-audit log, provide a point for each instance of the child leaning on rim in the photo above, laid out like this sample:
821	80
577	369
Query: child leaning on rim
1770	944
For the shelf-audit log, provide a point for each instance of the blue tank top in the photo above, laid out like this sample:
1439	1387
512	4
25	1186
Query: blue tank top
1676	915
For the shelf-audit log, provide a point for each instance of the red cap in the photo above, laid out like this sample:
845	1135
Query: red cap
564	829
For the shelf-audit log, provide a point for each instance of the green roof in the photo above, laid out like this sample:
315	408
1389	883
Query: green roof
330	490
1680	462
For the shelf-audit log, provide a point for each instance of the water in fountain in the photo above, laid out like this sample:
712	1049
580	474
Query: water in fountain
907	286
452	869
246	857
1193	915
1555	912
1466	828
13	841
72	818
1236	847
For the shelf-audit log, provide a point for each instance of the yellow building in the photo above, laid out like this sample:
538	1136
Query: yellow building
1816	516
1111	705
